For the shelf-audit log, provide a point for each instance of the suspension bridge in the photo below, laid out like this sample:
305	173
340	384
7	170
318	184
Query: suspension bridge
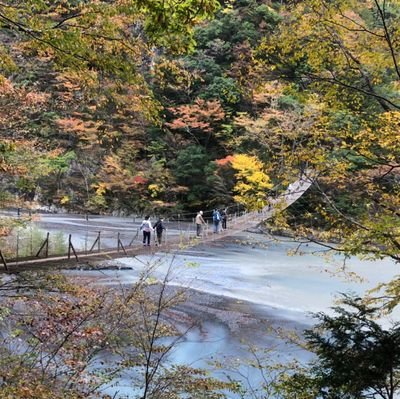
99	238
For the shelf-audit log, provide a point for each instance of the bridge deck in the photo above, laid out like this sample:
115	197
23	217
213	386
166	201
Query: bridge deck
183	238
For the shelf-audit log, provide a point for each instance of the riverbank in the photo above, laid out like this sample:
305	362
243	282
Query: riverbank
241	291
222	335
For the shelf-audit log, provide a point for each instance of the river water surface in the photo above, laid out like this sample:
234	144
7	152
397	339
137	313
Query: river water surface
253	278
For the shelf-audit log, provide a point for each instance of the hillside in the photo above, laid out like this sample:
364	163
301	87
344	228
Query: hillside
126	109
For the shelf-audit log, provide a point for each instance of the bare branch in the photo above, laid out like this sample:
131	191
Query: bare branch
56	26
337	81
361	27
388	38
34	34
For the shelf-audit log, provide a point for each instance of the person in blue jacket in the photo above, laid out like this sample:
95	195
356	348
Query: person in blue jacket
216	216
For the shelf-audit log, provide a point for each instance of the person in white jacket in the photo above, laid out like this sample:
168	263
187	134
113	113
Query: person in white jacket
199	223
147	228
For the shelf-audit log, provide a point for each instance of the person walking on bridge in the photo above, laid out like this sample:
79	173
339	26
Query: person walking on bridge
159	228
224	218
147	229
199	223
216	220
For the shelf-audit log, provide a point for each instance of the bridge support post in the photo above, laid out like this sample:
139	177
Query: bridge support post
97	241
134	237
120	245
44	245
70	246
3	259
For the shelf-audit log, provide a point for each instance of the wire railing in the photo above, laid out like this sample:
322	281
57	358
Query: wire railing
31	240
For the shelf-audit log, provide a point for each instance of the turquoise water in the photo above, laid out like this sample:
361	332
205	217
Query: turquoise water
258	272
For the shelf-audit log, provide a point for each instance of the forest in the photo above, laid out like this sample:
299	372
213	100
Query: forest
167	106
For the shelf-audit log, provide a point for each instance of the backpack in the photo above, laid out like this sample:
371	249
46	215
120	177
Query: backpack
158	227
145	226
216	216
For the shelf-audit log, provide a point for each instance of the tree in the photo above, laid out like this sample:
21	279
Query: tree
81	82
200	120
335	114
102	36
190	170
356	356
346	50
67	339
252	182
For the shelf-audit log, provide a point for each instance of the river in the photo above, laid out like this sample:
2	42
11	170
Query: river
244	285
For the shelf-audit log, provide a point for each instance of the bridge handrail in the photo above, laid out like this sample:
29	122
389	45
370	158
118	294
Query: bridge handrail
237	222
